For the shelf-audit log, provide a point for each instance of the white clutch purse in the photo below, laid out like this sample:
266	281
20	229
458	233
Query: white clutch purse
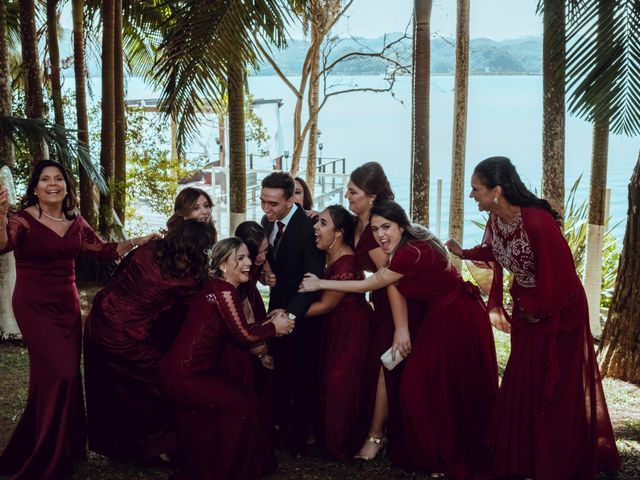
388	361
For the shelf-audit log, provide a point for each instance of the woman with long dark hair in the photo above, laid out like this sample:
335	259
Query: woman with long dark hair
127	416
450	379
46	236
368	185
302	194
551	403
344	342
222	435
193	204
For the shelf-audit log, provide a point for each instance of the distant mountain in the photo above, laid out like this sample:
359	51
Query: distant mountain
508	57
520	56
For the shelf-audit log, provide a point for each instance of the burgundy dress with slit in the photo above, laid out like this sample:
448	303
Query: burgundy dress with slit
51	432
220	431
450	379
381	331
127	416
551	419
343	366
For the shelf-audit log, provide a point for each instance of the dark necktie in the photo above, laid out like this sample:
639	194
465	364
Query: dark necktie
279	233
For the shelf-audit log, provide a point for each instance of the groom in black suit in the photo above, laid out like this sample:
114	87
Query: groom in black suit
292	253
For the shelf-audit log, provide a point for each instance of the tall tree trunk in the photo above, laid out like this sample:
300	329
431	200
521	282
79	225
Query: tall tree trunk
553	70
54	59
8	326
87	195
598	185
619	351
419	202
222	149
456	202
120	170
107	137
237	154
314	88
34	105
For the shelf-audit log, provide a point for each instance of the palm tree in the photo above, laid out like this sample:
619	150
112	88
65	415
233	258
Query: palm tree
237	154
120	127
54	60
34	105
107	137
419	202
605	83
553	85
87	196
456	204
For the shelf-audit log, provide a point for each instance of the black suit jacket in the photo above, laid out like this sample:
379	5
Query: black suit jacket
295	255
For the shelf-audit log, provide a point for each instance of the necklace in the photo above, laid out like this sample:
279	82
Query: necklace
49	216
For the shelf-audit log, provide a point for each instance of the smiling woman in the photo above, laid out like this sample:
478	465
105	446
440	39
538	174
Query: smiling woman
46	236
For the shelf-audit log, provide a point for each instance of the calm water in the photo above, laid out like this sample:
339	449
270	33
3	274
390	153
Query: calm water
505	118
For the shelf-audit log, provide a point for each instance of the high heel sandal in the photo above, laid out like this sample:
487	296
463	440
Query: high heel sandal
381	443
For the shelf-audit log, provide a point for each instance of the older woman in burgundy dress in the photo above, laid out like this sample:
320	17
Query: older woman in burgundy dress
46	236
551	404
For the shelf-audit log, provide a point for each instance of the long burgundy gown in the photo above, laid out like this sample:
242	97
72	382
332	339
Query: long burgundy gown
51	432
450	380
551	419
343	366
127	416
220	430
381	338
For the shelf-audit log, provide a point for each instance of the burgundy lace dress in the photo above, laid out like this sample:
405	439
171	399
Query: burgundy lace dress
551	419
380	340
450	379
343	366
221	434
127	416
51	431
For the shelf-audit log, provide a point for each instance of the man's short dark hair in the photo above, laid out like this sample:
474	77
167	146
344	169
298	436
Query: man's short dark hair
281	180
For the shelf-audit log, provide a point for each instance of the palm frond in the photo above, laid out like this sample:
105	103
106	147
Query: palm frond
603	64
60	140
201	39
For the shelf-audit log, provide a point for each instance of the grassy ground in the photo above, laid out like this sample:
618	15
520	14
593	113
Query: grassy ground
623	400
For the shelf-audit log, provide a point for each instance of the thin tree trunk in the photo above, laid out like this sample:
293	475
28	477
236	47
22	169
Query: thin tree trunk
222	149
120	153
553	69
54	59
314	88
107	138
456	203
87	195
237	154
8	326
618	352
34	105
598	185
419	202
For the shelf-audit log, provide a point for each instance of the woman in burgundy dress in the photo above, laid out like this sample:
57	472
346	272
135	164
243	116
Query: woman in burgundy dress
46	236
191	204
344	346
127	416
450	380
551	419
219	426
368	185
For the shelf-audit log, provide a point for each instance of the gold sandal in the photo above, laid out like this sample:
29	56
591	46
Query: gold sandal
380	441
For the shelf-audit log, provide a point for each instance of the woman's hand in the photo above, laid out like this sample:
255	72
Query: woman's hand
454	247
401	342
147	238
284	325
312	213
310	283
262	352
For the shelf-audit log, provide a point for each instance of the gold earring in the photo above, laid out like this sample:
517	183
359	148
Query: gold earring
495	200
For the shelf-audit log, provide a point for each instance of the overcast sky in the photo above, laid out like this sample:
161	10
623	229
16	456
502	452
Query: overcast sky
495	19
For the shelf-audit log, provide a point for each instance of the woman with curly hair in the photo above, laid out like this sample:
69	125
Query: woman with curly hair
126	414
